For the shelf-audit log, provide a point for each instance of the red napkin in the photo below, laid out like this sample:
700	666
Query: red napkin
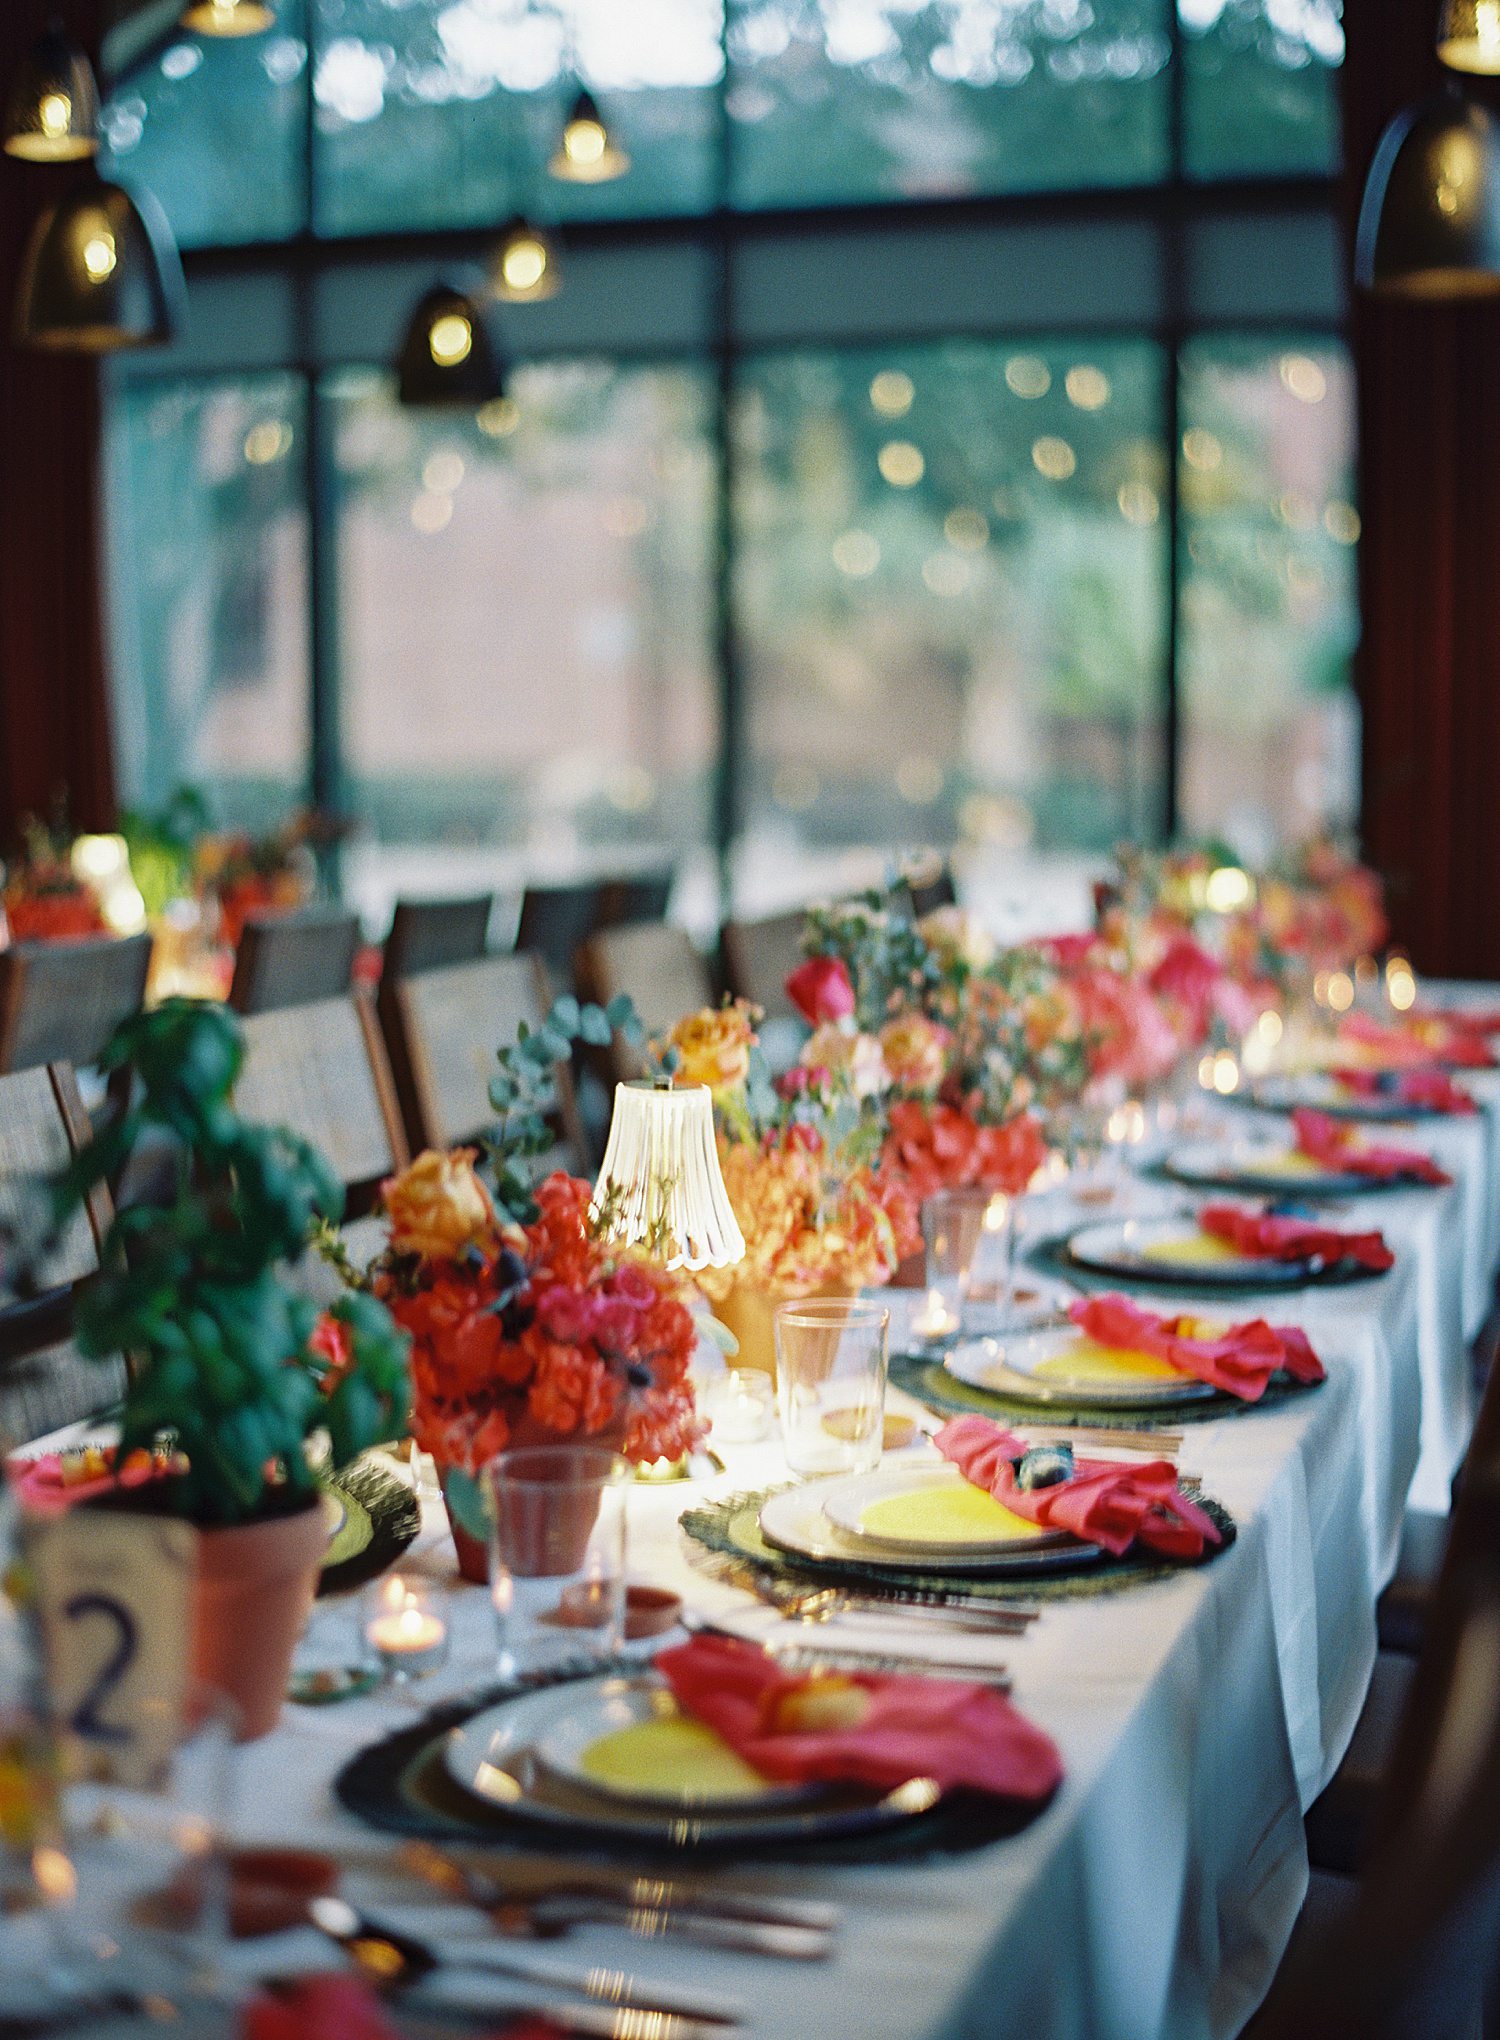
1410	1046
1240	1361
1433	1089
342	2007
1340	1147
1291	1239
40	1488
870	1729
1482	1019
1106	1501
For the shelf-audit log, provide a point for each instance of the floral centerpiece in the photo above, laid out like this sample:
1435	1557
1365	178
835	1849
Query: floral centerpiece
800	1158
43	899
526	1326
240	874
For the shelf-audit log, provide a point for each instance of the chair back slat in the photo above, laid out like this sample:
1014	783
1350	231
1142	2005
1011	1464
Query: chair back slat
61	1001
556	920
656	966
44	1381
294	959
431	934
321	1069
442	1029
759	957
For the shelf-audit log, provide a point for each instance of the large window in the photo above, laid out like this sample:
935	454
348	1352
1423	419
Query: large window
1008	503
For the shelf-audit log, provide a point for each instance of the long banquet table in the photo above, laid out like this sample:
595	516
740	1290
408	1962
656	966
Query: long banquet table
1197	1717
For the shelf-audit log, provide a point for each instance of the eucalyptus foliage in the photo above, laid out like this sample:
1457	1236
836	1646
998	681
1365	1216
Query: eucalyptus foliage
193	1289
526	1090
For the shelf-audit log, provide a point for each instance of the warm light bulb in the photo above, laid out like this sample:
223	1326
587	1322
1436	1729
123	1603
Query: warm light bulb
450	339
1227	889
584	142
524	265
1469	37
54	113
99	255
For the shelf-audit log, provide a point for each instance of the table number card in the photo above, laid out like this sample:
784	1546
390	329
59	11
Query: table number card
115	1606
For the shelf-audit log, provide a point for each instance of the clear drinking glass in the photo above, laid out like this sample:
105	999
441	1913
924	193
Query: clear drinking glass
953	1230
830	1383
557	1554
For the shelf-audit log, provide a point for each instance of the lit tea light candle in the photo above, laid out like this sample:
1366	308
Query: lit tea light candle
738	1406
405	1632
935	1320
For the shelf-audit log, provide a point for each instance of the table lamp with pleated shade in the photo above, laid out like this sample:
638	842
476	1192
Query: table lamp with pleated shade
661	1187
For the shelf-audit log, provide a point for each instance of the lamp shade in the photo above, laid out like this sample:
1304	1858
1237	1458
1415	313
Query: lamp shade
1469	37
661	1187
1429	222
446	360
52	115
101	272
587	153
525	266
227	17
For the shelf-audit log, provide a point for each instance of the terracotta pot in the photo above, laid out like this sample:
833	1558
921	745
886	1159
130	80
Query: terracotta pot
473	1552
253	1589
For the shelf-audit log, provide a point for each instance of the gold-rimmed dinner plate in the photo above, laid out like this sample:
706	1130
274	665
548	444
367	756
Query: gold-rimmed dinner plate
1263	1167
1063	1365
495	1758
925	1512
796	1521
1175	1250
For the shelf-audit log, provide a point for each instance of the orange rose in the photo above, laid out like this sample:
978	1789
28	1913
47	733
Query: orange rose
437	1207
855	1057
715	1047
913	1047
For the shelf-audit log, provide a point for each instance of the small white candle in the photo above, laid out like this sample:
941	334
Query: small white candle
405	1633
935	1320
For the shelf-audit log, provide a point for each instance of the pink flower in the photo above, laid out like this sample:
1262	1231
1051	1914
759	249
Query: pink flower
822	989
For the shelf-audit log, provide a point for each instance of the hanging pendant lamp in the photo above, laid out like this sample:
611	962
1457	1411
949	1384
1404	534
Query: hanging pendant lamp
446	360
1469	37
227	18
101	272
524	268
587	153
52	115
1429	223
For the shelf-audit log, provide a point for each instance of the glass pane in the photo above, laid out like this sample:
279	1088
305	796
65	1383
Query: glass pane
435	116
1270	728
215	128
209	571
951	584
1261	86
526	613
864	99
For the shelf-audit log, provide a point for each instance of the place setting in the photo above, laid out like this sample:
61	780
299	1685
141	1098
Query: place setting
1326	1157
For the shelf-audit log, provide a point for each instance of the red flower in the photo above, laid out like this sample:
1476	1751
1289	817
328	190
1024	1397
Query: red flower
333	1345
822	989
938	1147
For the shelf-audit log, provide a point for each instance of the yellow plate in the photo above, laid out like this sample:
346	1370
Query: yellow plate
673	1758
1192	1250
1086	1360
942	1515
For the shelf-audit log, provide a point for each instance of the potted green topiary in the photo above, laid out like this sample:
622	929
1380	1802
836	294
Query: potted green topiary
241	1370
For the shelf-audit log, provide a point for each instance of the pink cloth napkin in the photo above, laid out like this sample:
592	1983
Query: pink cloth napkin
1325	1141
1291	1239
1240	1361
1106	1502
1482	1019
1433	1089
1409	1045
871	1729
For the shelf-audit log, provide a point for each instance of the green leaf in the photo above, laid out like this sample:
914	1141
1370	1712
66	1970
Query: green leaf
566	1015
594	1027
465	1499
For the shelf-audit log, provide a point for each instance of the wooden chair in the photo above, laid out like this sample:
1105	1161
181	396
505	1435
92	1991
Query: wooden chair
657	967
61	1001
45	1381
442	1028
431	934
759	957
926	883
294	959
557	920
321	1069
638	896
1416	1947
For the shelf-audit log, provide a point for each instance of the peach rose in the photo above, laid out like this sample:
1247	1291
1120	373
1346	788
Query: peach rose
913	1047
855	1057
956	937
715	1047
437	1207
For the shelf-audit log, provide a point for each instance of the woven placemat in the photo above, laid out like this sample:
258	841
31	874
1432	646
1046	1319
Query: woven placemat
931	1383
1050	1256
729	1530
401	1786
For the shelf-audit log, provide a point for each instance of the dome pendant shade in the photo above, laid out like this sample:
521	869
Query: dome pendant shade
446	360
227	17
1469	37
661	1188
1429	223
525	267
101	272
52	115
587	152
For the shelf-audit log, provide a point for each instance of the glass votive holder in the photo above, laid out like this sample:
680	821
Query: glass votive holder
557	1554
831	1354
404	1632
739	1406
953	1223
